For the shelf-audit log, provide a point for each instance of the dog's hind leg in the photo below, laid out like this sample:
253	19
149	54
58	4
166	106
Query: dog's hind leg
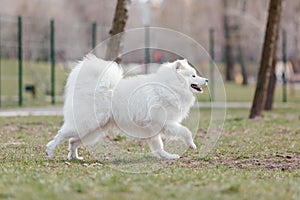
177	130
61	136
73	149
89	139
157	148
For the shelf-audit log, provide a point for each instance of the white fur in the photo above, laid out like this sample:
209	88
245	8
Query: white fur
99	99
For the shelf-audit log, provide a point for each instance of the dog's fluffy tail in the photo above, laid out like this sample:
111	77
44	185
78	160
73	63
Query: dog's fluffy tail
95	71
88	93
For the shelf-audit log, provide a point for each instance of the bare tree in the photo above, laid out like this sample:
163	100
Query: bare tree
269	48
241	60
240	49
296	56
118	26
271	86
228	55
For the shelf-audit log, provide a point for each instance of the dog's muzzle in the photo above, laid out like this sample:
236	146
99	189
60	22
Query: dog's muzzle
196	87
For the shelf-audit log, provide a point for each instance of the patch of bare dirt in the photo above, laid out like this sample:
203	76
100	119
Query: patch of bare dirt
279	161
8	129
288	116
286	161
14	128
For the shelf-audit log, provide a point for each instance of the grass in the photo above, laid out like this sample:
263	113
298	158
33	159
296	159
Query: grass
38	74
34	73
239	93
253	159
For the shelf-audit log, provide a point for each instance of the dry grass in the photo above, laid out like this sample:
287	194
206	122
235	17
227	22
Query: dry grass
252	160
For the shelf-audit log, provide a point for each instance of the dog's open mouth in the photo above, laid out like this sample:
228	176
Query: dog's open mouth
196	87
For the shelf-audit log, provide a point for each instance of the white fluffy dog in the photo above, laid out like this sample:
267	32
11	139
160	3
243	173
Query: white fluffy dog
98	98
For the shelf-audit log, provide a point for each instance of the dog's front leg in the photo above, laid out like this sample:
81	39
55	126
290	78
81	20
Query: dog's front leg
174	129
157	148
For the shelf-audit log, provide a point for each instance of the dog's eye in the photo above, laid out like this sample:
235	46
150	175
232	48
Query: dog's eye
193	76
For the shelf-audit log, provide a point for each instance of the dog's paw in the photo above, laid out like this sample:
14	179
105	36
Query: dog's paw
192	146
74	157
48	155
166	155
79	158
173	156
49	151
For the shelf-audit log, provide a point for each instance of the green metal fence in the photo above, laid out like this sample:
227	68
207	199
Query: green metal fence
35	56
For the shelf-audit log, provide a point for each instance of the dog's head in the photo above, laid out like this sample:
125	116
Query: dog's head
188	73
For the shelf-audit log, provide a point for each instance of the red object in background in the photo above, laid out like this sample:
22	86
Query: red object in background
157	56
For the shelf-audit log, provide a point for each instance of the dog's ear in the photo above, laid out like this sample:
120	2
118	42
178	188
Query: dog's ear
178	66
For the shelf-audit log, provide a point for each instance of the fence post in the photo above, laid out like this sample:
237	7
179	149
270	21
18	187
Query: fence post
20	60
52	50
147	49
211	64
0	61
284	95
94	34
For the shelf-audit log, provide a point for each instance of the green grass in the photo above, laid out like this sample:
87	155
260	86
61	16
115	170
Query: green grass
253	159
239	93
38	74
34	73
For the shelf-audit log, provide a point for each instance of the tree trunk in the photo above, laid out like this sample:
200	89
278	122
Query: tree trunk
241	57
118	26
272	82
229	64
269	49
241	60
271	86
243	66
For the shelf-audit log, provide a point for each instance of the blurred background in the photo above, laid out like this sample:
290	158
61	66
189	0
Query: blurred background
238	27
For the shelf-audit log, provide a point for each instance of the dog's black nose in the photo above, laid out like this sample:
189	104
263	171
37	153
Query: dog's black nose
206	80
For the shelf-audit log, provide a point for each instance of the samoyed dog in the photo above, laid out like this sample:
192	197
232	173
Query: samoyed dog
99	98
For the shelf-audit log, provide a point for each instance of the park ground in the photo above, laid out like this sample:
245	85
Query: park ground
253	159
